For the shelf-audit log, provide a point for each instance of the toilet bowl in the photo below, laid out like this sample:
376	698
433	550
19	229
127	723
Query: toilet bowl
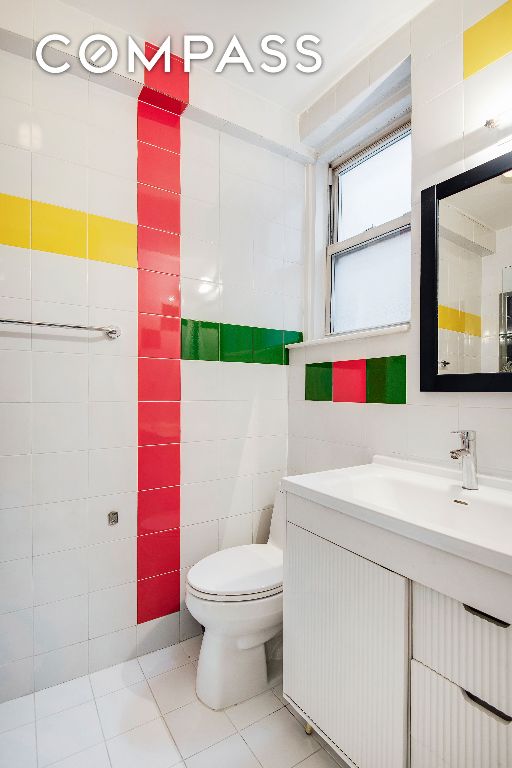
237	596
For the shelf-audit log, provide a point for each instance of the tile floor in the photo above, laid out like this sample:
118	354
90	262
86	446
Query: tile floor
144	713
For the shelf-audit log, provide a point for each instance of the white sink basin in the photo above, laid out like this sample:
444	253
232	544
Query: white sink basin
423	503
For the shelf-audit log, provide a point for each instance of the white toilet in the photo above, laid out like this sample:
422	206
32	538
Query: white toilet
237	595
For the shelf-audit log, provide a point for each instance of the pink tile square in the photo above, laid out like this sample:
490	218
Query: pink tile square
349	381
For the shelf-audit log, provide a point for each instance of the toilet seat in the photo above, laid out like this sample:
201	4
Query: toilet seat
233	598
248	572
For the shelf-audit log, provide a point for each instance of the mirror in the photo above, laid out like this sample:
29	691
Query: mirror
475	279
466	293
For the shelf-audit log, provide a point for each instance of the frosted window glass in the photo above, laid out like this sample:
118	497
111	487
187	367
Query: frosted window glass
375	191
371	285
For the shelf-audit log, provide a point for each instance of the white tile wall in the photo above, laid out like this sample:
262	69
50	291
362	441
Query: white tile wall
447	119
68	400
112	648
60	624
252	202
14	272
59	136
59	182
112	609
51	531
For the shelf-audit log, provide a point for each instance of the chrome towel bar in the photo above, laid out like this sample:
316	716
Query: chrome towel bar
110	331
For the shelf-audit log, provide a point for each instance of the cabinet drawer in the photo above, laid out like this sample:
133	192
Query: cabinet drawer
449	730
469	648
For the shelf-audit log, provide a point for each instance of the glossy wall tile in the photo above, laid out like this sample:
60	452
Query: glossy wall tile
110	214
375	380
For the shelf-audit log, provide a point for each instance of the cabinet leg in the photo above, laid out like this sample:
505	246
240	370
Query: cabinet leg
308	728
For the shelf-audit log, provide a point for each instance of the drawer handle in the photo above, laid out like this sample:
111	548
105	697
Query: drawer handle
501	715
486	616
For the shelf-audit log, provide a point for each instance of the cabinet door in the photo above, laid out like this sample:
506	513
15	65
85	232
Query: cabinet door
346	648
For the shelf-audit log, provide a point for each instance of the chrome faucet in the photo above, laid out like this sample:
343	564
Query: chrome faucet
467	452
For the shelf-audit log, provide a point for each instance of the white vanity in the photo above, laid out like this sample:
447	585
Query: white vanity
397	613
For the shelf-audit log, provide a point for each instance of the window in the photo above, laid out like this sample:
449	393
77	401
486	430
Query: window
370	226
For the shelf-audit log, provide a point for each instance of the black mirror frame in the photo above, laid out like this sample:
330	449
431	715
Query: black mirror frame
430	378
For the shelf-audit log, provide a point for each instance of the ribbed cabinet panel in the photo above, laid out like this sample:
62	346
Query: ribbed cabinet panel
468	650
345	659
450	731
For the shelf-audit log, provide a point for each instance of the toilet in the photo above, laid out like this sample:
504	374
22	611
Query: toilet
237	595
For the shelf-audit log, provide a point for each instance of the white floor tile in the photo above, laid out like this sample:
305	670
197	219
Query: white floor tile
195	728
164	660
63	696
94	757
67	733
175	688
117	677
319	760
17	712
249	712
192	647
231	753
18	748
149	745
126	709
278	741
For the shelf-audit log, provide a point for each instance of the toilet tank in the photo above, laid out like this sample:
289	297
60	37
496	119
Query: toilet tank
278	524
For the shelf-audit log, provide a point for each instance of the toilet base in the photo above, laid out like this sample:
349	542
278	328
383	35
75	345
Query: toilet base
228	674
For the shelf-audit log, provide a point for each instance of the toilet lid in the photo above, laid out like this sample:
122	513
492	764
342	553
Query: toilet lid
244	570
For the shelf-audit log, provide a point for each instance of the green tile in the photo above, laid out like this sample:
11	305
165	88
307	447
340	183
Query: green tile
386	379
236	343
199	340
267	346
319	381
291	337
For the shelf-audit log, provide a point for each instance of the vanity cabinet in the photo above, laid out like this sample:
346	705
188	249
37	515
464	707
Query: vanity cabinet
389	669
346	649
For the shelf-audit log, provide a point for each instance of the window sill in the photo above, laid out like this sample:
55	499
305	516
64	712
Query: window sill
335	338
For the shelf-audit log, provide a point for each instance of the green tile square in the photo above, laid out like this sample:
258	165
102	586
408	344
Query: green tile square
267	345
199	340
236	343
386	380
319	381
291	337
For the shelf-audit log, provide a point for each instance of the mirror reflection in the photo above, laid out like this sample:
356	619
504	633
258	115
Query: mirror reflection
475	279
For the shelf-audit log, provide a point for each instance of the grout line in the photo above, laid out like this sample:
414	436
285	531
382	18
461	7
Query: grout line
259	719
248	746
101	724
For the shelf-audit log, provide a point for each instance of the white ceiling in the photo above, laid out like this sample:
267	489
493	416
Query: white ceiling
348	29
489	203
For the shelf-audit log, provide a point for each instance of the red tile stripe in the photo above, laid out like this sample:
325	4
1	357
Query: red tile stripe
162	100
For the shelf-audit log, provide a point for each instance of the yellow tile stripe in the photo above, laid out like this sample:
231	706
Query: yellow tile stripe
59	230
456	320
15	221
488	40
46	227
111	240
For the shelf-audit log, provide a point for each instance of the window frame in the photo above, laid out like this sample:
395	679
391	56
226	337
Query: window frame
368	237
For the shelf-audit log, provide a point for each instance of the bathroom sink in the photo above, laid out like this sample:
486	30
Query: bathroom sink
421	502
